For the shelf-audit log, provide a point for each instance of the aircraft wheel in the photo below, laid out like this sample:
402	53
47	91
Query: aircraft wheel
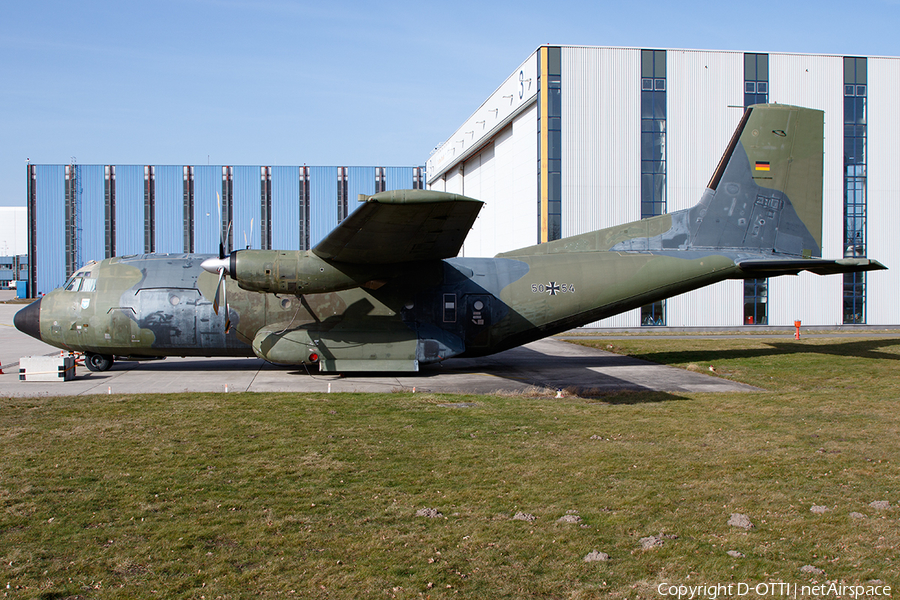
98	362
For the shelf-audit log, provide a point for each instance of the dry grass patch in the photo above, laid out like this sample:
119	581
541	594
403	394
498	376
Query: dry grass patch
265	495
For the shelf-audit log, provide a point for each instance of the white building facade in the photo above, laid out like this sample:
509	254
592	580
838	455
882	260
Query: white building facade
13	230
582	138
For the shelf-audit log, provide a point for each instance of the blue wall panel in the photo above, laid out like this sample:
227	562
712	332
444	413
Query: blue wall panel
50	225
322	202
169	228
90	201
398	178
50	206
286	208
246	208
207	228
129	210
360	180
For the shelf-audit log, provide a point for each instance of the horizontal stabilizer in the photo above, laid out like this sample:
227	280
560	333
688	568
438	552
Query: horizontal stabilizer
401	226
771	268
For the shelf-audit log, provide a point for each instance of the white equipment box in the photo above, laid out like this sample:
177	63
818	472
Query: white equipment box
46	368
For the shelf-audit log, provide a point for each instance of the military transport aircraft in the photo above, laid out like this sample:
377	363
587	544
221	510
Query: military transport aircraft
383	291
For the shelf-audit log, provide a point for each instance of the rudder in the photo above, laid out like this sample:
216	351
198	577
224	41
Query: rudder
766	193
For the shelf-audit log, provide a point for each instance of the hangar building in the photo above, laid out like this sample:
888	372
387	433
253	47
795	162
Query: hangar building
13	245
78	213
581	138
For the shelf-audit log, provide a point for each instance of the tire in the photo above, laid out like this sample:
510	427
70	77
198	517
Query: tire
98	362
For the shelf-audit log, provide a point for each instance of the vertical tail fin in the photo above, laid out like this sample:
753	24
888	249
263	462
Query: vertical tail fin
766	193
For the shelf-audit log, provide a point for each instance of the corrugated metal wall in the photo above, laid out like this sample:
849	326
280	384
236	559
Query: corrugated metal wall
129	209
245	212
169	229
49	212
323	213
503	175
620	136
517	181
286	208
453	181
601	138
479	176
90	199
583	168
814	82
361	180
50	223
207	228
397	178
701	86
884	189
809	298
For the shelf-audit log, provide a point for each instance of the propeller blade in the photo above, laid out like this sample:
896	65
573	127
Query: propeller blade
225	306
221	288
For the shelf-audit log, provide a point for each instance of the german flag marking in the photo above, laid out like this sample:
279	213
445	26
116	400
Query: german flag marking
762	165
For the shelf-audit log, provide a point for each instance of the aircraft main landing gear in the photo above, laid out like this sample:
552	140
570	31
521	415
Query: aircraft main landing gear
98	362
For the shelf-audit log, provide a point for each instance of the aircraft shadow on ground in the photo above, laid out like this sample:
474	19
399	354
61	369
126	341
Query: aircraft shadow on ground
574	374
859	349
178	366
519	370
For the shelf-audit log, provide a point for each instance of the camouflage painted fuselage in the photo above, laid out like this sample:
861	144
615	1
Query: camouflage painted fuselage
380	294
161	305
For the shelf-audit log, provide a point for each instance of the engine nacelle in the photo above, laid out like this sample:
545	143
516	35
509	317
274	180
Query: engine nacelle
297	272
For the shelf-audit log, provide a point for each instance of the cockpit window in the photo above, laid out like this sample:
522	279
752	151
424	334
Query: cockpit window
81	284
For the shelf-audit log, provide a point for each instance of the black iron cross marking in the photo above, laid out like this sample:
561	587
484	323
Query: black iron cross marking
553	288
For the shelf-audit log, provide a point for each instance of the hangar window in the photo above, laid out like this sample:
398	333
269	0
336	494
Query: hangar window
654	314
756	302
756	79
854	298
653	133
756	91
855	180
653	154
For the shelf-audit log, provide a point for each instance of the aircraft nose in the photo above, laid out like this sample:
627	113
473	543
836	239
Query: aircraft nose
28	320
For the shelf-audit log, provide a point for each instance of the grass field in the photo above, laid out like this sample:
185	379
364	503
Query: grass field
302	495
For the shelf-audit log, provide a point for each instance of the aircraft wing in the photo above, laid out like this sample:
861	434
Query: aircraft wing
401	226
767	268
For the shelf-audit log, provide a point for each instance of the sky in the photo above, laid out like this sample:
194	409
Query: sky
338	83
